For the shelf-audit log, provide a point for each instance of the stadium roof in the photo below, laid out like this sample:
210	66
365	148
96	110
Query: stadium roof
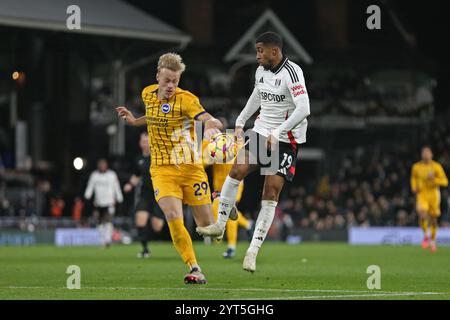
244	49
113	18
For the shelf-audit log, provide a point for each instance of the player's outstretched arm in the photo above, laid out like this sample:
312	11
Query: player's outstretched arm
212	125
126	114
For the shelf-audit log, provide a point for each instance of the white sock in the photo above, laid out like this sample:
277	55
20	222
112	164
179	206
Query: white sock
263	224
227	199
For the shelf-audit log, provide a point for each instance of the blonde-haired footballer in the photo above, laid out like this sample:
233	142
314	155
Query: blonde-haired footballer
427	176
220	172
176	175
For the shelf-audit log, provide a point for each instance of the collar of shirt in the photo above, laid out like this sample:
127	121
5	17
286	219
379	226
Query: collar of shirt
164	100
279	66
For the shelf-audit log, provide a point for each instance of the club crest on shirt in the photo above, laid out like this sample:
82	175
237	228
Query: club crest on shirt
165	108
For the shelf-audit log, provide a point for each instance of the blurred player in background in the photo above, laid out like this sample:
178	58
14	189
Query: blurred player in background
178	176
219	173
427	176
105	186
146	203
280	92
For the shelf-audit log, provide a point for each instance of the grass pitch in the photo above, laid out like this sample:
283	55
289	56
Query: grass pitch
304	271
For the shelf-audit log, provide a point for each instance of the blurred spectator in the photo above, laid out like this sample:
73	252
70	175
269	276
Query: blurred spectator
57	205
105	186
77	209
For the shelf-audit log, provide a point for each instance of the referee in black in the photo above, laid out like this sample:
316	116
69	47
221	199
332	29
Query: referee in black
146	205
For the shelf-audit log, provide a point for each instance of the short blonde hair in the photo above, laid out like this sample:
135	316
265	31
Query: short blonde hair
171	61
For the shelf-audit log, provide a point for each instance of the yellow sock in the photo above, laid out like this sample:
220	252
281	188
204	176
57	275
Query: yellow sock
215	208
433	232
242	221
424	225
182	241
232	230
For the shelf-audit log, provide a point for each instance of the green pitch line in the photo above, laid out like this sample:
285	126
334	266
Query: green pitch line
305	271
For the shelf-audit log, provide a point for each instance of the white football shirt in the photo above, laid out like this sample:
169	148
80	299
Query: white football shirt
106	188
281	94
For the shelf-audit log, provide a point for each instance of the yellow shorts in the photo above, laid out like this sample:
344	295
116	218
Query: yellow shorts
187	182
429	203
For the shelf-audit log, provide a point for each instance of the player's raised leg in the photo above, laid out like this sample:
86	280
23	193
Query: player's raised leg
173	210
228	197
272	188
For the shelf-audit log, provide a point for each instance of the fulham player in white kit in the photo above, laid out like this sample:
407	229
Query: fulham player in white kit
105	186
281	126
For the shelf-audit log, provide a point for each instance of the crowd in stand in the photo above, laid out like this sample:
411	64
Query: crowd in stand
358	95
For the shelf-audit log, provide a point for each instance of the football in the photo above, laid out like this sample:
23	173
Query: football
222	148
